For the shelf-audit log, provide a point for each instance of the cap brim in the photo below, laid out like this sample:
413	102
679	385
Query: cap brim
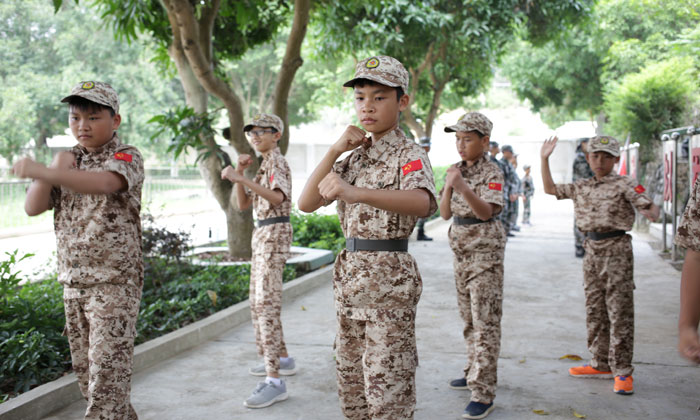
606	151
461	127
67	98
351	83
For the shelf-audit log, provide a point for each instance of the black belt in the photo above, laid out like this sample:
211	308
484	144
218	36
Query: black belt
468	220
598	236
272	220
356	244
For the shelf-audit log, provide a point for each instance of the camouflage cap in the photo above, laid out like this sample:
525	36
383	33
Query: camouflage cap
98	92
382	69
604	144
472	121
526	166
507	148
266	120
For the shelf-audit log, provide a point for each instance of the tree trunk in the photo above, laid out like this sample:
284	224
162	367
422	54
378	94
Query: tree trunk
290	64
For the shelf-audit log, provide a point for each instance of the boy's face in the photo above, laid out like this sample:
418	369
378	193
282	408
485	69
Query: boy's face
377	108
92	127
601	163
494	151
469	146
263	139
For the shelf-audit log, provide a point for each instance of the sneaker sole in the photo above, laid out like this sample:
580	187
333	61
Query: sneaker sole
623	392
594	376
283	372
480	416
460	388
280	397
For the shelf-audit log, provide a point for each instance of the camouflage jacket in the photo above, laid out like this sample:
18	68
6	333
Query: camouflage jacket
688	235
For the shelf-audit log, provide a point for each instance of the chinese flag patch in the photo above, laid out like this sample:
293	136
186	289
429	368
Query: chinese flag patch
412	166
272	177
123	156
639	189
495	186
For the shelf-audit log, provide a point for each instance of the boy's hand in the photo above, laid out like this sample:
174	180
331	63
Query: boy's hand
352	138
454	180
244	161
333	187
689	344
63	160
231	174
652	213
548	147
27	168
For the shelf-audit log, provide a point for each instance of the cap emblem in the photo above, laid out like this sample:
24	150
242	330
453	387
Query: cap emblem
88	85
372	63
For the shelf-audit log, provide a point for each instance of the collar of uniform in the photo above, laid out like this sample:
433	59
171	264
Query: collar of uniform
114	142
274	152
607	178
391	138
463	164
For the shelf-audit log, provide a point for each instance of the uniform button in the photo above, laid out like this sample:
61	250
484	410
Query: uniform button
75	265
74	230
82	292
348	313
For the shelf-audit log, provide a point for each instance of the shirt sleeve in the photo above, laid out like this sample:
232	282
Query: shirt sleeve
128	163
688	234
417	173
634	193
280	177
564	191
492	190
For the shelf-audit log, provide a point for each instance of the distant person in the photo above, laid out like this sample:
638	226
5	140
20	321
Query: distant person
514	209
95	192
528	192
424	142
270	194
688	236
581	171
604	207
471	198
382	187
510	187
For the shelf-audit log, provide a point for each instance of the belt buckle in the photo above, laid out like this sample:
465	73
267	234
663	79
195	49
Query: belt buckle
351	244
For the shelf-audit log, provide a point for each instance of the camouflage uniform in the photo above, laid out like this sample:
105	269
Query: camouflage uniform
514	208
101	268
510	186
607	205
688	235
528	191
581	171
270	244
376	292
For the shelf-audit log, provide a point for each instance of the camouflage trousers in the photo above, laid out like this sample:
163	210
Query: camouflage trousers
479	282
266	307
504	215
376	368
101	331
609	290
526	209
513	211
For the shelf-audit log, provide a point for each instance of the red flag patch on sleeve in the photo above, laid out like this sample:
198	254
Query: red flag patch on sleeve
412	166
639	189
272	177
123	156
495	186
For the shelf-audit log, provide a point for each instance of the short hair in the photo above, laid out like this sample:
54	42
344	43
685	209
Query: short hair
88	105
493	144
368	82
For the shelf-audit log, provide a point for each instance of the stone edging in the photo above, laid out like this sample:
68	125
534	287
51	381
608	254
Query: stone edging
45	399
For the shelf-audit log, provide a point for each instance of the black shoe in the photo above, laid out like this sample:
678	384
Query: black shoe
510	235
423	237
580	252
477	410
460	384
516	228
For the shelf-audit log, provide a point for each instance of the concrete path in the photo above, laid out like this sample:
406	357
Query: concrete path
543	320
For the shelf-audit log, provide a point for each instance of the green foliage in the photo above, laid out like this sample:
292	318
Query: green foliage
162	243
317	231
32	349
186	129
655	99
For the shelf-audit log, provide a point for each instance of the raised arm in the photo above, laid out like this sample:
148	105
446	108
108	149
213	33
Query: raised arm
311	199
545	152
688	340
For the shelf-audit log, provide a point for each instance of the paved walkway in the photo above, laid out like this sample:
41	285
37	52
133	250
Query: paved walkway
543	320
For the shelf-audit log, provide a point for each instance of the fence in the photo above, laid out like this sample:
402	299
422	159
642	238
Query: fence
165	191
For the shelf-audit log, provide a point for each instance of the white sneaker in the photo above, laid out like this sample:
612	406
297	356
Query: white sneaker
266	394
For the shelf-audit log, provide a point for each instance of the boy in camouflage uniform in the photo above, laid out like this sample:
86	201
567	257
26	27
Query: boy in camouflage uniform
270	195
528	192
95	191
688	236
472	197
510	185
382	188
604	207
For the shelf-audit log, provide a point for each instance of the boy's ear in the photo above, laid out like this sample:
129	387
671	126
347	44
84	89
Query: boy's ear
485	143
116	121
617	159
404	102
277	136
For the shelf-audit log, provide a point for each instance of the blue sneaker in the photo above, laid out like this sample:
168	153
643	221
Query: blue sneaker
460	384
477	410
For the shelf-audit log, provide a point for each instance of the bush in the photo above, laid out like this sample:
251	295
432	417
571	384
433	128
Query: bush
317	231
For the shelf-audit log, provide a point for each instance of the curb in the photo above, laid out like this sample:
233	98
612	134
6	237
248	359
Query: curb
45	399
